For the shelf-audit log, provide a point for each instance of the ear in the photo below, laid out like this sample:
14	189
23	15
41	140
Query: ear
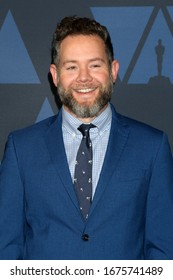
53	71
115	68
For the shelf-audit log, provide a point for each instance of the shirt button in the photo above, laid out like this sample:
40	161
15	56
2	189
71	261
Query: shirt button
85	237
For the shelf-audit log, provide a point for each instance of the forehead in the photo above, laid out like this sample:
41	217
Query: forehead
82	45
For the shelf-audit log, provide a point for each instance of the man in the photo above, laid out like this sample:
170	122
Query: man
130	213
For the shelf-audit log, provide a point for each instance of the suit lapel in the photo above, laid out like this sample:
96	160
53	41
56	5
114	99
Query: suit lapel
117	141
55	145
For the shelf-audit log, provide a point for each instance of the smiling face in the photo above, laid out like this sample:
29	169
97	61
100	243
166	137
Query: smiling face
84	77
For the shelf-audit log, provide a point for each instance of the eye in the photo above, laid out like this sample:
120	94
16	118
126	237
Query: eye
96	65
73	67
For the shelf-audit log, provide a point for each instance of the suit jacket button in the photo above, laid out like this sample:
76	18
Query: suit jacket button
85	237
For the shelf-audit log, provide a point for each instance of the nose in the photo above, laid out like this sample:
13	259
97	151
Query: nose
84	75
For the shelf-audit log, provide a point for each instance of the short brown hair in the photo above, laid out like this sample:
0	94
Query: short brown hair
79	26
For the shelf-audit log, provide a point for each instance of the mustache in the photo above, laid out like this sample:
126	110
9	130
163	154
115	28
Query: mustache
88	85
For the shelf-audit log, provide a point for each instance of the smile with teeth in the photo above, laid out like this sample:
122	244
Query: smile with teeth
85	90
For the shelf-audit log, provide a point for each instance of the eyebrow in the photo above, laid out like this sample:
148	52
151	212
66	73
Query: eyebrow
97	59
90	60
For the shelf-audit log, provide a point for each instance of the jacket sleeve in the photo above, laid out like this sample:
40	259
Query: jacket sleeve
159	213
12	225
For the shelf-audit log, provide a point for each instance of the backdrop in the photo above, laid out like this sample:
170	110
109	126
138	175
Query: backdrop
142	35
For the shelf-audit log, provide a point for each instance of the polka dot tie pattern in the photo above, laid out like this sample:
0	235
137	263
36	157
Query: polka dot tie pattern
83	171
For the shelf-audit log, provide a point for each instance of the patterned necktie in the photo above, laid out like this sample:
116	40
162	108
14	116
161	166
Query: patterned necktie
83	171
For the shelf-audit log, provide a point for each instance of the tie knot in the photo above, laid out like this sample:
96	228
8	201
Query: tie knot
84	128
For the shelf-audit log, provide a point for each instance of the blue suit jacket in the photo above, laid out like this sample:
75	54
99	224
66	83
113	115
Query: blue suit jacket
131	216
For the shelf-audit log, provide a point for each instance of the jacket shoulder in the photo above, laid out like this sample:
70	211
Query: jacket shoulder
34	129
139	127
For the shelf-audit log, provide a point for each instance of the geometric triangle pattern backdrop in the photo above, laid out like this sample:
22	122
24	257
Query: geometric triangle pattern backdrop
126	26
45	112
16	65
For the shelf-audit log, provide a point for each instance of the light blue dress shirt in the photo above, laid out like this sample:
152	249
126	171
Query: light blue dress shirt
99	136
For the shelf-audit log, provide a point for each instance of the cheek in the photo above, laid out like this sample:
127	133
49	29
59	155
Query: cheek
102	78
66	81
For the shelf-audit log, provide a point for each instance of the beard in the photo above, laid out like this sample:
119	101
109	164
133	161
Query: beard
84	110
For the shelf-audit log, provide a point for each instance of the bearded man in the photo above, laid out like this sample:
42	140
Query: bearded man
87	183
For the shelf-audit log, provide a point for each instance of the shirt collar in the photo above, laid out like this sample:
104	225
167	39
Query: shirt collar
102	122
